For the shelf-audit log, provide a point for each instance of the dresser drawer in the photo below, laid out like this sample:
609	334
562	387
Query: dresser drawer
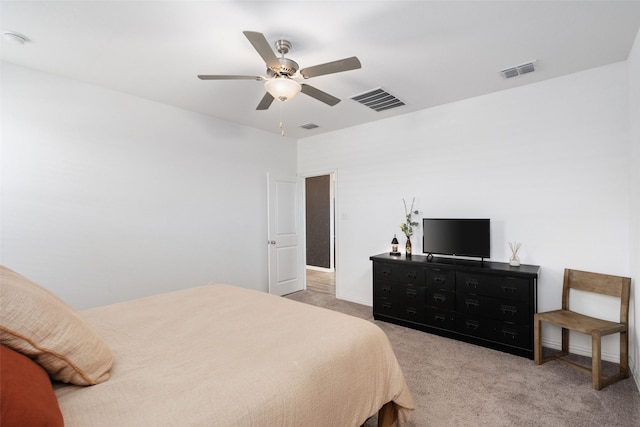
412	311
402	301
400	292
512	288
502	332
382	288
511	334
398	273
514	312
441	299
475	326
494	308
498	286
441	278
410	294
443	319
383	271
386	306
410	300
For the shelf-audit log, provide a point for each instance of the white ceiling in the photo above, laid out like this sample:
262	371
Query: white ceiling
426	53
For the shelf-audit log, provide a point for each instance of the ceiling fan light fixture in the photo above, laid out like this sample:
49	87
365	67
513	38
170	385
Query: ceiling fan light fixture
282	88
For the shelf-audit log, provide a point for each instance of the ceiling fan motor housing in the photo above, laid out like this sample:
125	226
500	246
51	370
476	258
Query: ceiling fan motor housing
287	68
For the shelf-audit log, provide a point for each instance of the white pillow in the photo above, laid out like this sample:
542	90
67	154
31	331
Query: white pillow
35	322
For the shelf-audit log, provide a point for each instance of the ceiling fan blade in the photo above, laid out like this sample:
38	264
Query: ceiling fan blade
228	77
345	64
319	95
266	101
261	44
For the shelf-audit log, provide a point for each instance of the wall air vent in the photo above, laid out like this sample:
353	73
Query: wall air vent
309	126
378	100
518	70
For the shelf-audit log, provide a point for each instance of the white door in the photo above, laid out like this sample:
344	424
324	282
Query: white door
285	197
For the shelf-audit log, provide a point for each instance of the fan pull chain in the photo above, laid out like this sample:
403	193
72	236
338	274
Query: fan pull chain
281	125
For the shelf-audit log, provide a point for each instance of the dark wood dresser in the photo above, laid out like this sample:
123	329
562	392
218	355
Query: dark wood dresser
481	302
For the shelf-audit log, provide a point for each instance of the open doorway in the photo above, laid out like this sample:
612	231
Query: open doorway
320	233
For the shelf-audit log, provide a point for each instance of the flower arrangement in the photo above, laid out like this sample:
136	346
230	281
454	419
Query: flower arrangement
407	227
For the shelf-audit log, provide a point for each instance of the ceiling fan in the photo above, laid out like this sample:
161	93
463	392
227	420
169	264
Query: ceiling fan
283	73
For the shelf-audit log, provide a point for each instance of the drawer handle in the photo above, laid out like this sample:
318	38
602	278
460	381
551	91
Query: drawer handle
386	305
509	309
412	311
509	289
439	279
472	303
472	325
386	289
509	333
471	283
386	273
412	275
412	292
439	318
439	297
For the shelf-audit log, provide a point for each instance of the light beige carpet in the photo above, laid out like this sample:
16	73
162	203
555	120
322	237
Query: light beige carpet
459	384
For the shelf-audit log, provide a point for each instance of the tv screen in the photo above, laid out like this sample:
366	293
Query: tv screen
452	236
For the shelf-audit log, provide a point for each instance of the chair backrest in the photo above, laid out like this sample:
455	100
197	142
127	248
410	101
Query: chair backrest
605	284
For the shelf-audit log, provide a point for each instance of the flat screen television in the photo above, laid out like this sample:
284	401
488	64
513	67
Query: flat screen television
456	236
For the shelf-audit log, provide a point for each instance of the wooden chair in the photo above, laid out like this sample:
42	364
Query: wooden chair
569	320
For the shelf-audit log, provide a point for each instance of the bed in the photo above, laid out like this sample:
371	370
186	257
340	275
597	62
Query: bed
221	355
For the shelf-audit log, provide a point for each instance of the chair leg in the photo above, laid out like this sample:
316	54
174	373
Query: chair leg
537	340
596	363
565	341
624	354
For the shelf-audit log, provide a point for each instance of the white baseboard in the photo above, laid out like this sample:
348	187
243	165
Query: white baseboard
323	269
355	300
581	350
634	372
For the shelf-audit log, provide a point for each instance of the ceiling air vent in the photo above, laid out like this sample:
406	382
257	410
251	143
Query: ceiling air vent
309	126
518	70
378	100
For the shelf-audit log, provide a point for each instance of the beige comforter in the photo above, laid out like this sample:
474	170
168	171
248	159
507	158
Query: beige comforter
220	355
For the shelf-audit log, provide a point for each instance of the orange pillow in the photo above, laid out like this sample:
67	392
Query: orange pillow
27	394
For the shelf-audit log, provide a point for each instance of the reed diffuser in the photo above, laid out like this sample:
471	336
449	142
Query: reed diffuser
514	260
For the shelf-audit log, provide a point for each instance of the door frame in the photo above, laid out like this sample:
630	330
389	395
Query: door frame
333	176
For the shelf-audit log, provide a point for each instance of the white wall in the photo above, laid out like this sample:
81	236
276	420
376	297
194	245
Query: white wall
634	118
106	197
549	163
